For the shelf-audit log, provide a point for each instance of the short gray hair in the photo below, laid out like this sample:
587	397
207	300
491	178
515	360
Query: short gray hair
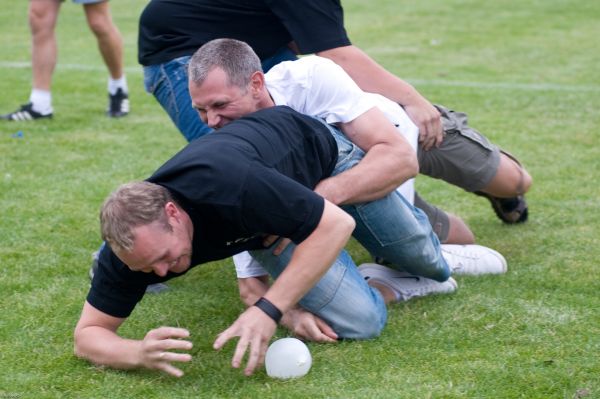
129	206
234	57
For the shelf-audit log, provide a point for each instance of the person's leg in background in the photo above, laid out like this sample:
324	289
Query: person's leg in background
110	44
42	15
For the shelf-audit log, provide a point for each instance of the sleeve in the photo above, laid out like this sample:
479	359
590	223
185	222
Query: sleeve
246	266
275	204
111	291
314	25
319	87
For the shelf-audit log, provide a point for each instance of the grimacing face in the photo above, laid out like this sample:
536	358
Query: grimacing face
157	250
219	103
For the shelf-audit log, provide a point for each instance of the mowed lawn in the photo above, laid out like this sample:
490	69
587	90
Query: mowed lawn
527	73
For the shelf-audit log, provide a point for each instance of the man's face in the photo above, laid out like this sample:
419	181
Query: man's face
219	103
158	250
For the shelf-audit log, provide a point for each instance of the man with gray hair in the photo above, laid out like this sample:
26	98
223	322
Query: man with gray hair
226	83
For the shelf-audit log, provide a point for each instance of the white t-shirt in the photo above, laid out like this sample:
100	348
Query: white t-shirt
319	87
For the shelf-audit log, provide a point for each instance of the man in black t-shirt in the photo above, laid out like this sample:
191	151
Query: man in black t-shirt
220	195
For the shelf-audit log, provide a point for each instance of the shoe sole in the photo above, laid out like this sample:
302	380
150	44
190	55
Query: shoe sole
521	212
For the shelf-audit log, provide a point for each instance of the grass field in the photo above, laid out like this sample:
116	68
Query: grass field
527	72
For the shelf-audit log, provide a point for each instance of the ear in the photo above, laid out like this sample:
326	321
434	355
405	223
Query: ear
172	210
257	83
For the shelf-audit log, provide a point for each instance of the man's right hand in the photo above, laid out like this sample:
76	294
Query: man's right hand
308	326
156	349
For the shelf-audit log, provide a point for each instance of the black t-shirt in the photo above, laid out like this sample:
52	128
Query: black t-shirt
251	178
175	28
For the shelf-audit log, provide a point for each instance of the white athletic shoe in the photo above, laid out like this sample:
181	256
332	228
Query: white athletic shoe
473	259
405	285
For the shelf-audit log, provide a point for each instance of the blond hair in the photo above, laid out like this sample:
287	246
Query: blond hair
129	206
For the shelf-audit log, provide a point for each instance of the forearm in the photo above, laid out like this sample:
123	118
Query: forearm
312	258
380	172
252	288
372	77
104	347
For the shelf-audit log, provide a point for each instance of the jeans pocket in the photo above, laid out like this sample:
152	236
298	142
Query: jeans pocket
457	123
152	77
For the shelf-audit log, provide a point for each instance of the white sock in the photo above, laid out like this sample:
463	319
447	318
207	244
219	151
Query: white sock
116	84
41	101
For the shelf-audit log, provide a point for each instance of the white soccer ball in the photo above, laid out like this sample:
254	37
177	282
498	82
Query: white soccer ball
287	358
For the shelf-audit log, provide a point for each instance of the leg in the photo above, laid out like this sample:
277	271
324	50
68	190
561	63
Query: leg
108	36
110	44
510	180
168	83
390	227
468	160
42	21
341	298
449	228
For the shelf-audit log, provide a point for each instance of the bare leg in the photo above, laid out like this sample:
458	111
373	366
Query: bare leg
108	36
388	295
510	180
42	21
459	232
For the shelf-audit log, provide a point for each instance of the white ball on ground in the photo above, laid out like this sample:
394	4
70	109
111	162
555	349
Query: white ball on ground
287	358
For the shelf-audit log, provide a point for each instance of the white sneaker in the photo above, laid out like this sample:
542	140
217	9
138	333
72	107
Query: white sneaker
473	259
405	285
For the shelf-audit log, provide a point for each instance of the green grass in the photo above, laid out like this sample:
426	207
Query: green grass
527	74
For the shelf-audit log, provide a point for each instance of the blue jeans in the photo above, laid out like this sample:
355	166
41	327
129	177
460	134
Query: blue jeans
389	227
168	82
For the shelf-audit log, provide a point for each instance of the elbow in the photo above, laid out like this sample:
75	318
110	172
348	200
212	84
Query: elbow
410	165
77	347
349	225
406	167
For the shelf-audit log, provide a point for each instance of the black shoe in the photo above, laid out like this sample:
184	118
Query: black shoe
151	289
25	113
118	104
509	210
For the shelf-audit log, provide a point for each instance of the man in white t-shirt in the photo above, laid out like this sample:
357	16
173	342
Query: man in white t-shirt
226	83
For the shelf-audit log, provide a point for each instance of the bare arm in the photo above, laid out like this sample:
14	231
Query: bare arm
311	259
96	340
301	322
389	161
372	77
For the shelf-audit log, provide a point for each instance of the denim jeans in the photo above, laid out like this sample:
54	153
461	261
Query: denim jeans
389	227
168	82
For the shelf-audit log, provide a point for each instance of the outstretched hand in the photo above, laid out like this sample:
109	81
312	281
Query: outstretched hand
254	329
157	346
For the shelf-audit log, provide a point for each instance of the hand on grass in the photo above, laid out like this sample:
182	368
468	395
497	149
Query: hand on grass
255	329
156	349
